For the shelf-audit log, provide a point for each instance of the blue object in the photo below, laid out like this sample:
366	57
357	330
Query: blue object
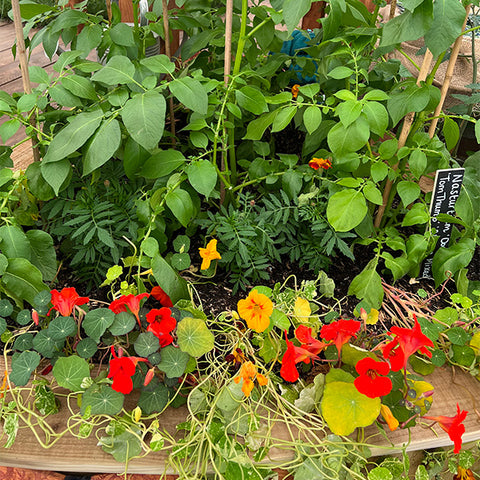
294	48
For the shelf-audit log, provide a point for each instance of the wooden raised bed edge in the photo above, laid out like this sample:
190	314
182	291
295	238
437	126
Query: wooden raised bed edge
83	455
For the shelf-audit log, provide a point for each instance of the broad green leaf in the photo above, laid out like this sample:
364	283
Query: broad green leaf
283	118
399	266
162	163
417	215
123	323
367	285
97	321
191	93
22	280
159	64
380	473
69	372
122	446
44	256
9	128
372	193
251	100
343	139
102	400
146	344
62	327
448	18
452	259
118	70
202	175
73	136
451	132
181	205
312	117
340	72
144	118
377	117
256	128
14	243
56	173
293	12
22	367
154	398
346	209
348	111
63	97
408	192
467	206
79	86
174	285
104	144
122	34
357	410
417	162
412	99
377	95
194	337
31	9
64	60
174	361
89	38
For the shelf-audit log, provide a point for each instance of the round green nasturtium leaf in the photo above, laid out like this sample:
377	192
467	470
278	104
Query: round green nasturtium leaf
380	473
463	355
42	299
174	361
344	408
438	358
154	398
123	323
6	308
45	344
457	336
24	317
97	321
45	401
69	372
86	348
181	243
23	342
122	446
194	337
421	366
155	358
102	399
3	325
146	344
180	261
22	367
62	327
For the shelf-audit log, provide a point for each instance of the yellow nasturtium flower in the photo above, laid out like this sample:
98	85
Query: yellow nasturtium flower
256	310
209	253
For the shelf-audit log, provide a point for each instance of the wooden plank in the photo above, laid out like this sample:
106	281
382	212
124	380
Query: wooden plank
7	37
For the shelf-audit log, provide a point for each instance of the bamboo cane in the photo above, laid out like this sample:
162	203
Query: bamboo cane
228	41
22	57
168	53
109	10
448	75
407	125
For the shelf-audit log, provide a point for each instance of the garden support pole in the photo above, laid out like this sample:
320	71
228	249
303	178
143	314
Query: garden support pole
407	125
168	53
448	75
22	57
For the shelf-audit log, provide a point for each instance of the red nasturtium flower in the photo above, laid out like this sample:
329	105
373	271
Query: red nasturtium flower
372	381
161	323
293	355
256	310
407	341
159	294
340	332
317	163
122	369
64	302
131	301
453	426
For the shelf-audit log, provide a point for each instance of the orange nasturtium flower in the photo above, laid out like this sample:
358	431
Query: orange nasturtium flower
64	301
453	426
463	474
387	414
248	373
295	91
317	163
209	253
256	310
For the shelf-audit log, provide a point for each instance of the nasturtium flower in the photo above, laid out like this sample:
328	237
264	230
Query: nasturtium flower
372	381
161	324
256	310
159	294
304	335
463	474
295	90
317	163
64	301
248	373
407	341
209	253
453	426
122	369
131	301
340	332
387	415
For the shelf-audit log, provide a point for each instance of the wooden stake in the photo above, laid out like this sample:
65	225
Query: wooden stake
448	75
168	53
407	125
109	10
22	57
228	41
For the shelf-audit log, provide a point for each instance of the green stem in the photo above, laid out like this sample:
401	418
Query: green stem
399	50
